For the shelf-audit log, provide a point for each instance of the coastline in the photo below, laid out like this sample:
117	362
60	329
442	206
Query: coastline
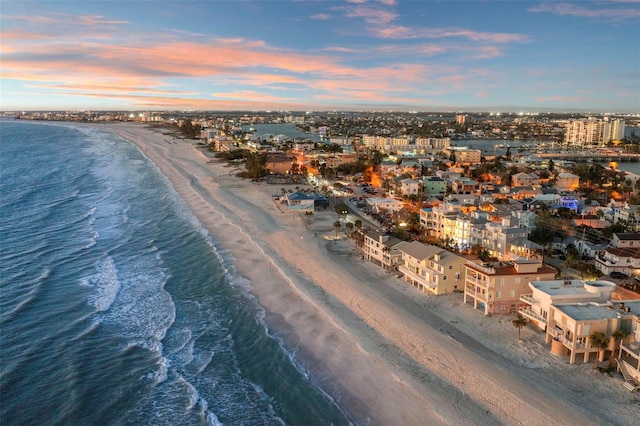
365	337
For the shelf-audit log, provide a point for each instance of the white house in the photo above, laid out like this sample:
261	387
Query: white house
624	260
409	187
379	205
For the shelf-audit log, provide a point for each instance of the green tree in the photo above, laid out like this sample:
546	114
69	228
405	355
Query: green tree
256	165
599	341
519	323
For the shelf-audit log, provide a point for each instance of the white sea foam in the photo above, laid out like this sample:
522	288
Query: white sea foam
106	284
143	311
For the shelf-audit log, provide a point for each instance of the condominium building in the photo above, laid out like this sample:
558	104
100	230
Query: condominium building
405	143
464	155
432	269
496	287
462	118
593	131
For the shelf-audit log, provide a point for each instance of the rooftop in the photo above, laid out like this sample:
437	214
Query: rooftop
573	287
591	311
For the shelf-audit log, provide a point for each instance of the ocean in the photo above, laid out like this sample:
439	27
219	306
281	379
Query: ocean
117	307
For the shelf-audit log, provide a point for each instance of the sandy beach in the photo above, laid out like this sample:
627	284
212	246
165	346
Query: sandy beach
387	353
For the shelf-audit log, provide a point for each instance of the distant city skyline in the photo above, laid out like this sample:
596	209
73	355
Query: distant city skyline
321	55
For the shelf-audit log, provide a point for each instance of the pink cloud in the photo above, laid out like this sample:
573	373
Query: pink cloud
371	15
321	16
569	9
400	32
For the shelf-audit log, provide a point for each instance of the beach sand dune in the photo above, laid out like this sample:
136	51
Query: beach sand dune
381	350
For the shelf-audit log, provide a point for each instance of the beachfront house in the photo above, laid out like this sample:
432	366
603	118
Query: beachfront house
570	327
382	249
629	352
431	268
496	287
543	294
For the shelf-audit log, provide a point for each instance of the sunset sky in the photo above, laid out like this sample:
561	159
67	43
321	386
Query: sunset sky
303	55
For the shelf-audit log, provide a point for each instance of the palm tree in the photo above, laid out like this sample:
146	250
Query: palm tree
519	323
308	214
337	225
349	227
618	336
599	341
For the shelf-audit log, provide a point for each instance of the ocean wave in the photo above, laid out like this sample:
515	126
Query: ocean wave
106	284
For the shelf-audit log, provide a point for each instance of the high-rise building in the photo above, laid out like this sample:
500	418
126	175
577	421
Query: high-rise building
462	118
593	131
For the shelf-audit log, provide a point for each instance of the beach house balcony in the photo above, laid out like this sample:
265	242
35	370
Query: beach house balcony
629	365
559	336
528	299
418	275
479	282
527	312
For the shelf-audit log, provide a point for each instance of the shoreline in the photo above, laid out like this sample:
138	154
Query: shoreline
364	336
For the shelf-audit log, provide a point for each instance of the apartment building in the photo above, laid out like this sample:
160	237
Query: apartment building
496	287
432	219
432	269
593	131
499	237
463	154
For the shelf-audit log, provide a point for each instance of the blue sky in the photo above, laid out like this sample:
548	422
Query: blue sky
305	55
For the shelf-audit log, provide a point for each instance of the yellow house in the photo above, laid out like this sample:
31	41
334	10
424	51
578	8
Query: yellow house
431	268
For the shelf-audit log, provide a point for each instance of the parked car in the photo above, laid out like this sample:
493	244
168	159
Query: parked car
618	275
